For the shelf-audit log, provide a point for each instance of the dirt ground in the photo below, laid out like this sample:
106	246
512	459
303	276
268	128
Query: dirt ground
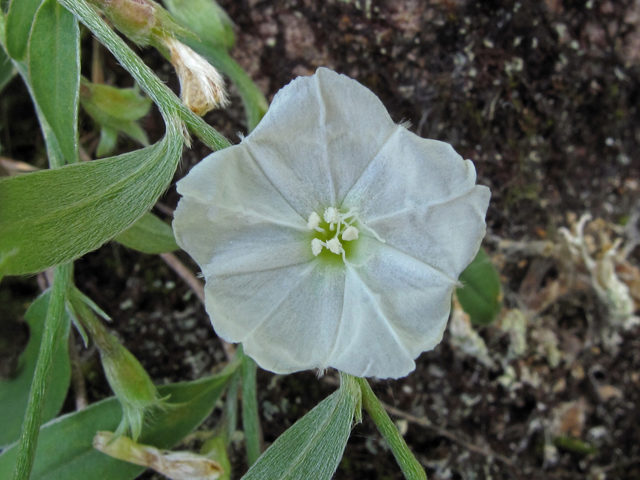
543	97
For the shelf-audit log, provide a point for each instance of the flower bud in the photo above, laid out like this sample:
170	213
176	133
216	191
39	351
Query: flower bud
201	85
174	465
142	21
135	18
127	378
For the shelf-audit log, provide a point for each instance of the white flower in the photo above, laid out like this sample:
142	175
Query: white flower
331	237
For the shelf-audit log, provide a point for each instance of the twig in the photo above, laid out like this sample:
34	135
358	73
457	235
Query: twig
15	167
197	287
424	422
185	274
168	211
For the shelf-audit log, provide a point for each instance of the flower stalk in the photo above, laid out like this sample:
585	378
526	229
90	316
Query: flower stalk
408	463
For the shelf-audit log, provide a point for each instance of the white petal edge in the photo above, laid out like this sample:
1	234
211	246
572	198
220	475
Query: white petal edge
395	308
317	138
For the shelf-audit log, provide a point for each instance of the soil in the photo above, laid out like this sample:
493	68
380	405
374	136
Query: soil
543	97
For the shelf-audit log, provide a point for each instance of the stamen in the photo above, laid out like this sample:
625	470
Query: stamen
316	246
334	246
314	221
342	225
350	233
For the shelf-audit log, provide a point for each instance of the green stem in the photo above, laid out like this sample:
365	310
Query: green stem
42	376
410	466
150	83
250	418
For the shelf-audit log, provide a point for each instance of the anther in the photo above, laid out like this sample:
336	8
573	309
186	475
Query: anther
334	246
350	233
316	246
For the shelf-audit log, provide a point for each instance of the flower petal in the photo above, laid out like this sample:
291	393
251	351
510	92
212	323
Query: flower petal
395	308
445	235
241	223
409	172
317	138
287	319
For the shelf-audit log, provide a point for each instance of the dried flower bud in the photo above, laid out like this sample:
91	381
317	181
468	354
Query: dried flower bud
201	85
174	465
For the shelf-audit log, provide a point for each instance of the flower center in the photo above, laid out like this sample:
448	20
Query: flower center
334	233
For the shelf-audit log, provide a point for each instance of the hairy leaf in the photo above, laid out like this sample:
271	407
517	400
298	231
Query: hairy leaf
313	446
55	216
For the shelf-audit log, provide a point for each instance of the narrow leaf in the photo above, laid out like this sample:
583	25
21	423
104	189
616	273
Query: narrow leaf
149	235
54	216
481	295
14	393
313	446
65	449
19	20
54	69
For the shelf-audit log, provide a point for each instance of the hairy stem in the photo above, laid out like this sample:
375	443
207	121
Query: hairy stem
408	464
42	376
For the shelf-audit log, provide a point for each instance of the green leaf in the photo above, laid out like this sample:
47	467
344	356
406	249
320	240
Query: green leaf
19	20
149	235
115	109
14	393
206	19
54	70
65	447
55	216
108	142
481	294
7	70
313	446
